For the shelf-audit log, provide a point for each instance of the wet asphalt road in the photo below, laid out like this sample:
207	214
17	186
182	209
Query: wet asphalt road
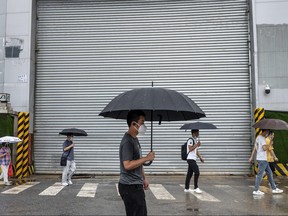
222	195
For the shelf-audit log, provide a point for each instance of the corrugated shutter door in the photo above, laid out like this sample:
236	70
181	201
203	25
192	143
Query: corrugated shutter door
91	51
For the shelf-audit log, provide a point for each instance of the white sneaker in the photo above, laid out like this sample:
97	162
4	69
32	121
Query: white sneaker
197	190
70	182
188	190
277	191
8	183
64	184
258	192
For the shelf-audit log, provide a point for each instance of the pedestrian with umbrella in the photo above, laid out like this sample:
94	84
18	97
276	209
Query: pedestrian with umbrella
260	147
132	181
136	106
5	156
68	153
193	153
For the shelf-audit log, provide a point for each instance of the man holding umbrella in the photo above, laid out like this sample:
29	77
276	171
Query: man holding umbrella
132	178
260	147
192	150
69	169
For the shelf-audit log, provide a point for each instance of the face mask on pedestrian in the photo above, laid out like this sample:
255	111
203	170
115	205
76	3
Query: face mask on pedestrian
142	129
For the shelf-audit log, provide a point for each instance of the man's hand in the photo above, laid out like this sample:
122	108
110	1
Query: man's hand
201	159
150	156
145	184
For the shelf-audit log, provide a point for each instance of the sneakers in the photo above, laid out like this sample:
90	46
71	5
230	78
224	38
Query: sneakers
197	190
277	191
258	192
64	184
7	183
70	182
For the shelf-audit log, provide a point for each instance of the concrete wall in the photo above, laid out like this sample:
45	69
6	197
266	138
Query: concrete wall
16	32
271	51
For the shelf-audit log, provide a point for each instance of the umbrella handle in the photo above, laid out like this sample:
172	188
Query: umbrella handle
148	163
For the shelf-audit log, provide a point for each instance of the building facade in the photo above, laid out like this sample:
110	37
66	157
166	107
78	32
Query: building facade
63	61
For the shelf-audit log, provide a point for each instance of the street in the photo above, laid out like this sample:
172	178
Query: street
98	195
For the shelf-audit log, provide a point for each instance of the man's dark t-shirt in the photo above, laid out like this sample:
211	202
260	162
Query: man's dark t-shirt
71	154
130	149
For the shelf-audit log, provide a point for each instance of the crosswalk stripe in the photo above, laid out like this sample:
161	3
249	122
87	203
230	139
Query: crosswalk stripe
88	190
204	196
228	189
52	190
160	192
20	188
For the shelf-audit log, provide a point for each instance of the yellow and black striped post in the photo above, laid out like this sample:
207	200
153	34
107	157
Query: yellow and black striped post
258	115
25	142
19	157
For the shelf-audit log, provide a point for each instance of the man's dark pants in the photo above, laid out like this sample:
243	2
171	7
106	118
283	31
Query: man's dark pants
134	199
192	167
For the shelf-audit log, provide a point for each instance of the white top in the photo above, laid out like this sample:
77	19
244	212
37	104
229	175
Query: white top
193	154
261	154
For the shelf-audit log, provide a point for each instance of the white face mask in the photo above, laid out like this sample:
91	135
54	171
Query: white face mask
142	129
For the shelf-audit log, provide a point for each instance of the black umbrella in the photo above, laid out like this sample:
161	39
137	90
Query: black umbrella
198	125
158	104
271	124
74	132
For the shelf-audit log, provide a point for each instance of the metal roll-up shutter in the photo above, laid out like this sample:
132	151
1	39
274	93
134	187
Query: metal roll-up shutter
88	52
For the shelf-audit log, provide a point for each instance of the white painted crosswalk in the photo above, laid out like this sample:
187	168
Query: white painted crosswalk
52	190
159	191
88	190
18	189
204	196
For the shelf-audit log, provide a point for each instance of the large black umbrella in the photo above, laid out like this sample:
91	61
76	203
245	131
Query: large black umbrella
198	126
271	124
158	104
73	131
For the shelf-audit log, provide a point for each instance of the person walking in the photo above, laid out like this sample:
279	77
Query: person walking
192	150
133	182
5	160
70	168
260	147
271	157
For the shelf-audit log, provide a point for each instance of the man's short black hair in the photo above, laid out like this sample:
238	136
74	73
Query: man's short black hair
194	130
133	116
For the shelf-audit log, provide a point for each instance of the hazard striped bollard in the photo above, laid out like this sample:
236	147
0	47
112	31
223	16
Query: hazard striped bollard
25	142
19	153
